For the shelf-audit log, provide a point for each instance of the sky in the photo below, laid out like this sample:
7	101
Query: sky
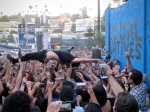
55	7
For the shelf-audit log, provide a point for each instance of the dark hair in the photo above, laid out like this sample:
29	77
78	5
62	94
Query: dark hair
84	94
35	109
41	102
68	83
17	102
136	76
92	107
6	89
148	92
100	94
126	103
66	93
121	84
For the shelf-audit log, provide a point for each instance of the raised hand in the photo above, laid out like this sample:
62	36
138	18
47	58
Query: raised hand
49	84
89	88
79	99
54	106
127	54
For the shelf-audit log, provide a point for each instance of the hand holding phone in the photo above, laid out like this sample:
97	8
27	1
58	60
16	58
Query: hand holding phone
66	106
103	71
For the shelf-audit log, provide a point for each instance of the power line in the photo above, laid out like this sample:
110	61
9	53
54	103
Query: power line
69	6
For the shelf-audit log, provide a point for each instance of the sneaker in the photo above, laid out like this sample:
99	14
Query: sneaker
10	58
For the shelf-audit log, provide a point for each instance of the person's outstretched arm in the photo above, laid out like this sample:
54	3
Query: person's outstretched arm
116	88
129	65
1	87
19	78
78	60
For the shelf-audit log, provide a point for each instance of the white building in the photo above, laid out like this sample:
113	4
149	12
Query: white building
68	26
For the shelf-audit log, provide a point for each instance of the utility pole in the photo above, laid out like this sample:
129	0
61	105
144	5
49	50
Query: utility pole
27	36
99	28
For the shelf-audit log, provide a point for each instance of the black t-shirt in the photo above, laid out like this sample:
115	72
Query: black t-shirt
66	57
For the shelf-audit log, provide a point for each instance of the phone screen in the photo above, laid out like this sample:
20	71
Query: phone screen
103	71
66	107
81	85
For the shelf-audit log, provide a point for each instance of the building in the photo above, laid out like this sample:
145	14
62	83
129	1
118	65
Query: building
53	22
83	24
14	24
64	18
5	25
72	41
68	26
55	42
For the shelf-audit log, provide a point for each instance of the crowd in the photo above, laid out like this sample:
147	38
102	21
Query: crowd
56	81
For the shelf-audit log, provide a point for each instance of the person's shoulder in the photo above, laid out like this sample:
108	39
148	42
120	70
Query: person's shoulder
79	109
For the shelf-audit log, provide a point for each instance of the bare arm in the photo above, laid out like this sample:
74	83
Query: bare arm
114	85
3	71
7	75
19	78
1	87
31	71
78	60
129	64
50	86
91	93
24	69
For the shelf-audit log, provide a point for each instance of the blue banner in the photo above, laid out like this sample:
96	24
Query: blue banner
30	33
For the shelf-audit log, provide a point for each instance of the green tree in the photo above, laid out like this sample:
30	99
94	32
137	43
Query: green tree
13	32
42	23
10	39
99	40
4	19
23	21
103	23
75	16
89	34
3	38
57	31
84	12
73	28
37	22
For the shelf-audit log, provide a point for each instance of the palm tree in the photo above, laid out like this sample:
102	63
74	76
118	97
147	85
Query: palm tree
46	10
30	7
45	6
89	34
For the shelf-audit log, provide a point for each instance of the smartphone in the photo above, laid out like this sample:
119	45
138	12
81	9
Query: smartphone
66	106
81	85
62	78
72	47
93	64
103	71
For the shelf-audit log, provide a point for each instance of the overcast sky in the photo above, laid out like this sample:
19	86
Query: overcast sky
9	7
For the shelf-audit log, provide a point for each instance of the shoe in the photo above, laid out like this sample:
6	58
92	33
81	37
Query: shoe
19	53
70	49
10	58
